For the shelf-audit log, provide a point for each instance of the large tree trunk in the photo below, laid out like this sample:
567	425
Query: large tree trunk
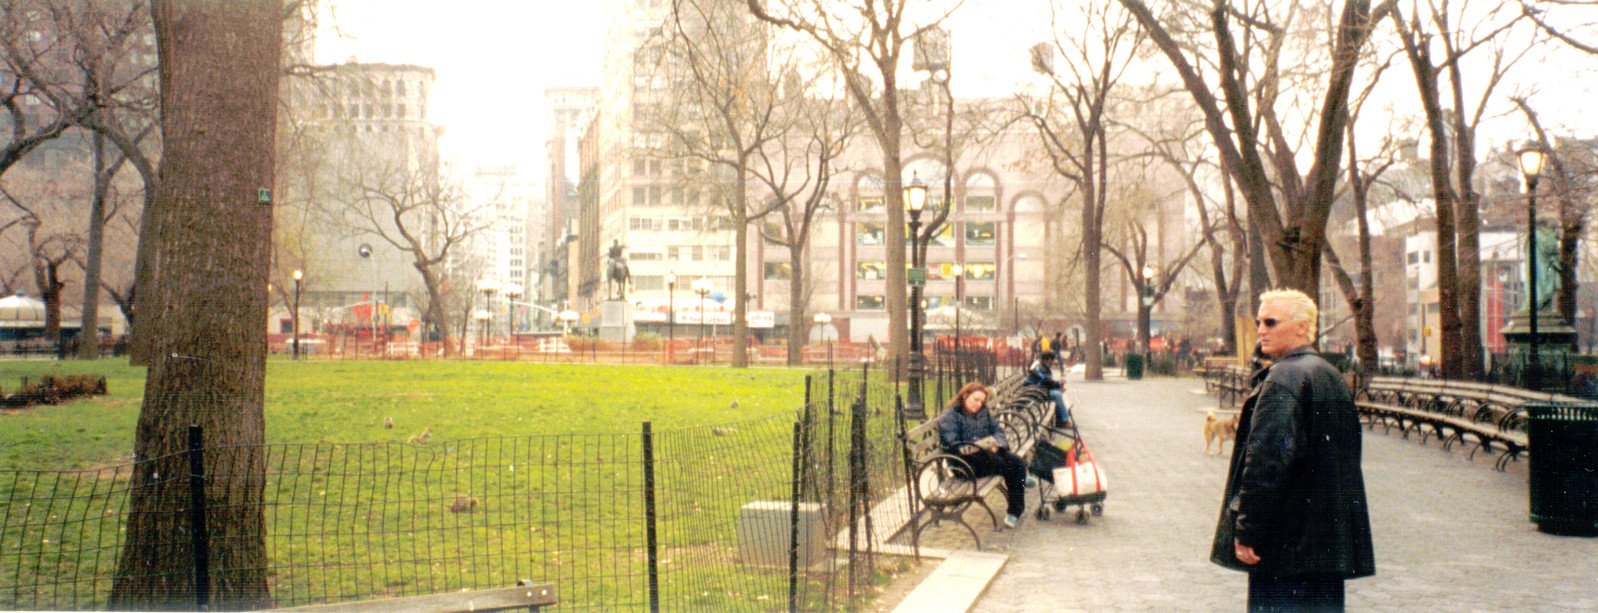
219	71
1092	273
436	317
896	301
740	268
798	314
1472	364
89	333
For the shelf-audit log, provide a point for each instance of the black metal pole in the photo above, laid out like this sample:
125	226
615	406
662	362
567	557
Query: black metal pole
201	546
671	322
917	404
793	516
296	318
1534	361
649	518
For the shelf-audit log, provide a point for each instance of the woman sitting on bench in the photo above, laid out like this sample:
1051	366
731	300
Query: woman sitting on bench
967	429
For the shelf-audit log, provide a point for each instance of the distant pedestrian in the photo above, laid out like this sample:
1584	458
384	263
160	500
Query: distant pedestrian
1294	515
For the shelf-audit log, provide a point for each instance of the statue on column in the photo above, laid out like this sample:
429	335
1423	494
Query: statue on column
1547	270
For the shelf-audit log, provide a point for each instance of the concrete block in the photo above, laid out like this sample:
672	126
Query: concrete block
763	533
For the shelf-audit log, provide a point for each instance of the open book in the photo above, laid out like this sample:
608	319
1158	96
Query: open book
986	442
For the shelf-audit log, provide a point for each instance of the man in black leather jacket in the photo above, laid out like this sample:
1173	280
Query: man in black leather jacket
1294	516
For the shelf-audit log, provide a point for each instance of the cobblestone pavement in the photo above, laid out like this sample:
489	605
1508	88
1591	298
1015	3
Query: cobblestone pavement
1450	533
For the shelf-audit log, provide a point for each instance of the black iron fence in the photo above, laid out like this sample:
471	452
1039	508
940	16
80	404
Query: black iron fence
676	518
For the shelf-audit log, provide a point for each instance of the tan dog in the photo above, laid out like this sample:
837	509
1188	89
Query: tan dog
1219	431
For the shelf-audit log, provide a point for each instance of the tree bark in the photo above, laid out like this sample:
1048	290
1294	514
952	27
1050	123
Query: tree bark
740	274
218	70
798	313
89	333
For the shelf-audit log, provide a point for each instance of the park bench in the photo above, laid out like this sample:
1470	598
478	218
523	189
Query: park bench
1229	384
1454	412
939	490
528	596
1214	363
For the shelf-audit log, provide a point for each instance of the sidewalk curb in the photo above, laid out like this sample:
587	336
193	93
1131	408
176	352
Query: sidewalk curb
956	584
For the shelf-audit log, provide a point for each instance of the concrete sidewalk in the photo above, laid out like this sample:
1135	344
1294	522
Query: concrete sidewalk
1450	533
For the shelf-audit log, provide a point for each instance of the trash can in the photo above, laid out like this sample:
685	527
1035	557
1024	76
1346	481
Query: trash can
1563	467
1134	366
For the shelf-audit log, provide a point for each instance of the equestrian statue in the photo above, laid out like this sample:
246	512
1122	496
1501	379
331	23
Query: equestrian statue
616	274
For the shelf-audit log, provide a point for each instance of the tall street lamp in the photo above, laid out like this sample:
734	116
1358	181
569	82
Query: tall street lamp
703	287
299	275
671	314
482	316
1015	302
915	197
1146	309
487	286
959	304
1531	165
513	292
825	321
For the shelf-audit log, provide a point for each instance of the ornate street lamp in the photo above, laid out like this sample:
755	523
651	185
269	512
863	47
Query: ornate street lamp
825	321
671	315
959	304
487	286
703	287
513	292
1531	165
299	275
915	198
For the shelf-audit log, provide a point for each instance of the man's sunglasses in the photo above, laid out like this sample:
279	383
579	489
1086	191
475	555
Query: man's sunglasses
1269	322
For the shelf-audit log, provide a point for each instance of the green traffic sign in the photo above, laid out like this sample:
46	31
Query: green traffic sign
917	277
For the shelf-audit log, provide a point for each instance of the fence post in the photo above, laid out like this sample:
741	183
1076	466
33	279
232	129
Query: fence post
201	547
649	518
793	519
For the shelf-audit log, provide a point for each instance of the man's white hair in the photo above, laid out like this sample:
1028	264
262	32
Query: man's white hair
1298	304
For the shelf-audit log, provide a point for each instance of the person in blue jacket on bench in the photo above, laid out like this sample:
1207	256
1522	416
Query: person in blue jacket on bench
1042	375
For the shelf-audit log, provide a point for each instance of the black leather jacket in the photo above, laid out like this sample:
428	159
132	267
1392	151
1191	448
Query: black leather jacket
1295	492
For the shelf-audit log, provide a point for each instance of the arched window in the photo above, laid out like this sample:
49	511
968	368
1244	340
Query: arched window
980	193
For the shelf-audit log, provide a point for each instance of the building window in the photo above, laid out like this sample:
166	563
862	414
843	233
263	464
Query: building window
979	271
638	167
778	271
644	256
649	282
944	237
868	303
872	204
674	253
698	253
515	263
976	204
869	234
979	303
1414	258
721	253
654	196
871	271
979	234
638	196
401	108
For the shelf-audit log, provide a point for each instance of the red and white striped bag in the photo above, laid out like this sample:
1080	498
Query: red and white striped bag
1081	475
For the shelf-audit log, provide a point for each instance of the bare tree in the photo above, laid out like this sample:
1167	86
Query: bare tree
1454	131
1073	122
866	40
1290	212
1179	146
410	204
797	171
722	117
219	63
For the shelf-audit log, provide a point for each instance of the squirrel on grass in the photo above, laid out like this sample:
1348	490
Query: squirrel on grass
388	423
422	438
463	503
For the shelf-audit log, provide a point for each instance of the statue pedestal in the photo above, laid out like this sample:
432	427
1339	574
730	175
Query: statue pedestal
1554	336
616	321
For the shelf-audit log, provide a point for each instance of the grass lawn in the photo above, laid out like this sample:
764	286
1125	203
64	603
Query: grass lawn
346	401
537	442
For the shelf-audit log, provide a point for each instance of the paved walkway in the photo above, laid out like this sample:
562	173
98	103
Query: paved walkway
1451	534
